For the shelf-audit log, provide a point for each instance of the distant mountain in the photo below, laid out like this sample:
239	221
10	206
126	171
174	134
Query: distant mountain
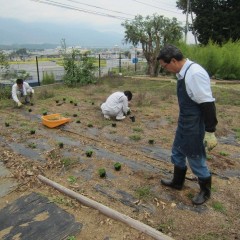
15	32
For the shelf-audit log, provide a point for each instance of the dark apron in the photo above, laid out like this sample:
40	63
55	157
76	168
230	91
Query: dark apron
190	131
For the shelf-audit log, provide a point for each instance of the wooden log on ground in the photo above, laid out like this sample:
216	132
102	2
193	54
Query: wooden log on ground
106	210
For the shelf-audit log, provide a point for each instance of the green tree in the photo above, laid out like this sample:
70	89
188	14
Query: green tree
79	68
151	33
21	52
4	65
216	20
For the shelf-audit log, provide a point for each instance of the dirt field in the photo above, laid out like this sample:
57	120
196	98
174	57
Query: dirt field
135	190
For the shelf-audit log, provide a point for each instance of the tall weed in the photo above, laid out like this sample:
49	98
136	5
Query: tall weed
221	62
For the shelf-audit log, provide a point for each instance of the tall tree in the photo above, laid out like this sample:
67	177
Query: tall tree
151	33
216	20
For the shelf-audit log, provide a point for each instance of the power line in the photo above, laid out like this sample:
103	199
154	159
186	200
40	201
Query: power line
147	4
99	7
71	7
57	4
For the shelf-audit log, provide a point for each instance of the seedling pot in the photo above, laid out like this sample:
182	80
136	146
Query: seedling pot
102	172
60	145
151	141
89	153
117	166
32	132
132	118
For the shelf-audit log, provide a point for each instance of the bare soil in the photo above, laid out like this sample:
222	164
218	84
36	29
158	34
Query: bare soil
135	190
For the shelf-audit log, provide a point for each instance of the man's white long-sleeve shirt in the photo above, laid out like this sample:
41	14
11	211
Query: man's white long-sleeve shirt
115	103
25	89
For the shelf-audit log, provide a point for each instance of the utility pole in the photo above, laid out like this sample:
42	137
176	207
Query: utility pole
186	28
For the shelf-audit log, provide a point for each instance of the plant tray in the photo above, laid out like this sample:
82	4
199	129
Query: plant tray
54	120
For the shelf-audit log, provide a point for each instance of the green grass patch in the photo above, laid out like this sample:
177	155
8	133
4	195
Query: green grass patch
218	207
72	179
143	192
135	137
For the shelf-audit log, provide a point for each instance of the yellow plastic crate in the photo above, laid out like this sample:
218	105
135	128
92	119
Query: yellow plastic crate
54	120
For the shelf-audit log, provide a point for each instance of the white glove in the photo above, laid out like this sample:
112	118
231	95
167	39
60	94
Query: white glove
32	91
210	141
19	104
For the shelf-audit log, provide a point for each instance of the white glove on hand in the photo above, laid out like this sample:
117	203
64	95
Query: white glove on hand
210	141
32	91
19	104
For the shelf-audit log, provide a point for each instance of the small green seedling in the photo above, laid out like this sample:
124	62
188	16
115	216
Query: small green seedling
78	121
93	103
114	124
89	153
71	238
71	101
44	113
102	172
7	124
32	131
30	110
32	104
57	101
90	125
75	115
60	144
117	166
151	141
64	99
75	104
72	179
32	145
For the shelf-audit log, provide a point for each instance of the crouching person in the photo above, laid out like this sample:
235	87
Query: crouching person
116	105
22	92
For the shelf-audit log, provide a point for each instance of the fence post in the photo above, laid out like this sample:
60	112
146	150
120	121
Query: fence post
37	71
99	66
120	67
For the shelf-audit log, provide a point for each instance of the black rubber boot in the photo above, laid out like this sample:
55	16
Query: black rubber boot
205	191
178	178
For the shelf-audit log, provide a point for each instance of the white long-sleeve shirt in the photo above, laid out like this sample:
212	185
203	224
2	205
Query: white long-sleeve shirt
26	88
115	103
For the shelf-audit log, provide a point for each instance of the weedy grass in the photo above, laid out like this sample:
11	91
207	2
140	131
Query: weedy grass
72	179
143	192
217	206
166	226
135	137
67	162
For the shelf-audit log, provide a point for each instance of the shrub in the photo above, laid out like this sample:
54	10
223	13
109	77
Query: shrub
48	78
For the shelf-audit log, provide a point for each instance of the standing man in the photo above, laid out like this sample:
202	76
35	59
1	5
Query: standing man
21	90
196	123
116	105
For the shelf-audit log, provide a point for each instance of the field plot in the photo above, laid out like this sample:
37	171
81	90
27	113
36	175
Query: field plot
73	154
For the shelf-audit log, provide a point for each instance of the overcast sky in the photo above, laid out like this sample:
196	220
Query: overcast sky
102	15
